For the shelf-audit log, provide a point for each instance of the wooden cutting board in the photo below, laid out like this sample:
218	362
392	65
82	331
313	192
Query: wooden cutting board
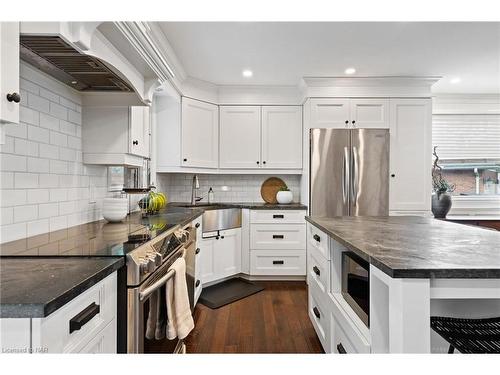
270	188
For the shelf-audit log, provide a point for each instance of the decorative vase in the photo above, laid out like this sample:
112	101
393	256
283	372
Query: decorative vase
284	197
441	205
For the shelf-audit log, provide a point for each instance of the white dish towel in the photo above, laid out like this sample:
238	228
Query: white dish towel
179	319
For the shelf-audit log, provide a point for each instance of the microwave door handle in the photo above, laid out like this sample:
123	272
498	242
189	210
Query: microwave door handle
150	289
355	177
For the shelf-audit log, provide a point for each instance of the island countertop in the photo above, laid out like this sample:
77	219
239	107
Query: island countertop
417	247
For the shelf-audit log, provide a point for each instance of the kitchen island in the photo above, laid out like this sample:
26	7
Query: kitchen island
418	267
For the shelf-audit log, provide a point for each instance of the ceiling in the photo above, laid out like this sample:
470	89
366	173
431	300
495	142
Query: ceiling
280	53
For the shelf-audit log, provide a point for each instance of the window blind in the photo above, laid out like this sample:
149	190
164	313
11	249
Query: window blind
461	137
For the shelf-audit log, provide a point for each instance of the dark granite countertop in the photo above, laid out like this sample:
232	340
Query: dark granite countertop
36	287
249	205
418	247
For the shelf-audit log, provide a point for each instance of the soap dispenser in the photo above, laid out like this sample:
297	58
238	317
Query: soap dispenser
210	196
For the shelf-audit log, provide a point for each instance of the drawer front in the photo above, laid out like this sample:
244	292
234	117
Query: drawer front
320	319
282	262
103	342
55	329
318	240
346	333
318	272
277	216
274	237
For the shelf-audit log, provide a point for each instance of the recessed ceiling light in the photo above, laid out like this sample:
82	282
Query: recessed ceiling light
455	80
350	71
247	73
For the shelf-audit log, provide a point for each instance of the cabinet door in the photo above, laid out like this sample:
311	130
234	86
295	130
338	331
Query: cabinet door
330	113
207	260
9	71
138	127
410	154
200	134
227	252
369	113
240	137
282	137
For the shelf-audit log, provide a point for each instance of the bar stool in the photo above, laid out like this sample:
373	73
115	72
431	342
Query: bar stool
469	335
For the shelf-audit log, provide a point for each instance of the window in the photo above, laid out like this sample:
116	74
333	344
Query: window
469	152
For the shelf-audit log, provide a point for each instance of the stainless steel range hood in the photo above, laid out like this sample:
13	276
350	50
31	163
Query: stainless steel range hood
57	58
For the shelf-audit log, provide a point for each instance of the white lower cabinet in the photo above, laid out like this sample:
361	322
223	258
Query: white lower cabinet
281	262
60	333
221	257
320	318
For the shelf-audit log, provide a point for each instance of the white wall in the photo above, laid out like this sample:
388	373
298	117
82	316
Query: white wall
44	185
242	188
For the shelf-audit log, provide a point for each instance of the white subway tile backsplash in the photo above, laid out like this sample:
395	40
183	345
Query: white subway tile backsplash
49	122
29	116
49	151
25	213
58	111
11	162
25	180
38	134
38	103
58	139
44	184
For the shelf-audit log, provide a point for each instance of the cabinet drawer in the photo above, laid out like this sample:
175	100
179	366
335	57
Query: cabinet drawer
318	240
320	319
277	216
103	342
285	236
346	333
283	262
54	330
318	272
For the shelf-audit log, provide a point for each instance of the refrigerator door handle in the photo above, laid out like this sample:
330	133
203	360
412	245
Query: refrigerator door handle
345	174
355	177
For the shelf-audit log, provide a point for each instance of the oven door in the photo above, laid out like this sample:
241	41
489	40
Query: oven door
140	299
356	284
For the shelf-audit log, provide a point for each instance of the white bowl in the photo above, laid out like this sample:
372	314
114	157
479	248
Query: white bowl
114	209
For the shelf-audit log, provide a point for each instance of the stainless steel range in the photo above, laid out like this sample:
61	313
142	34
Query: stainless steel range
147	273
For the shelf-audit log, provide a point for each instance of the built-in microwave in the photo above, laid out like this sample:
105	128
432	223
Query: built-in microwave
356	284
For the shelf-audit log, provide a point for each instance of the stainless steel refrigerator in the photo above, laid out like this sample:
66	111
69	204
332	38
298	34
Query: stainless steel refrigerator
349	172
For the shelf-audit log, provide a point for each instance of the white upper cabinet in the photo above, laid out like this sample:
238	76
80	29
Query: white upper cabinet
115	135
330	113
240	135
282	137
410	160
9	72
350	113
200	134
369	113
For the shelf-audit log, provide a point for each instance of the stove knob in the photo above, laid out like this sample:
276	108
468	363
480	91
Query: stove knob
143	265
151	265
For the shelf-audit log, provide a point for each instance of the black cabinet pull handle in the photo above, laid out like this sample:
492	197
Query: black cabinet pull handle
278	216
82	318
135	143
185	159
353	122
346	122
197	225
317	238
197	251
278	236
340	349
197	283
258	162
316	312
393	175
264	162
316	270
278	262
14	97
221	237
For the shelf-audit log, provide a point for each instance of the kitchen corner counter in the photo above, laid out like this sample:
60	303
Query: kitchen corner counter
418	247
249	205
36	287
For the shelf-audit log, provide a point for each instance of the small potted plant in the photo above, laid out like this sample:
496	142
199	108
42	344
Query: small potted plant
284	195
441	197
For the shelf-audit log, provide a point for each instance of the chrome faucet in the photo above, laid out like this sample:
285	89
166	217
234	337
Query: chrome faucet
195	186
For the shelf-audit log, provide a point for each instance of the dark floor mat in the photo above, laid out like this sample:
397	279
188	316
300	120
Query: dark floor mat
228	291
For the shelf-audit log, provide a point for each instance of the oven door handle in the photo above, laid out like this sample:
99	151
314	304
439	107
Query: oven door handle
150	289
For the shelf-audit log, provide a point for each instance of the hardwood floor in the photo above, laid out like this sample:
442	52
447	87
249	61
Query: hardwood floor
272	321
